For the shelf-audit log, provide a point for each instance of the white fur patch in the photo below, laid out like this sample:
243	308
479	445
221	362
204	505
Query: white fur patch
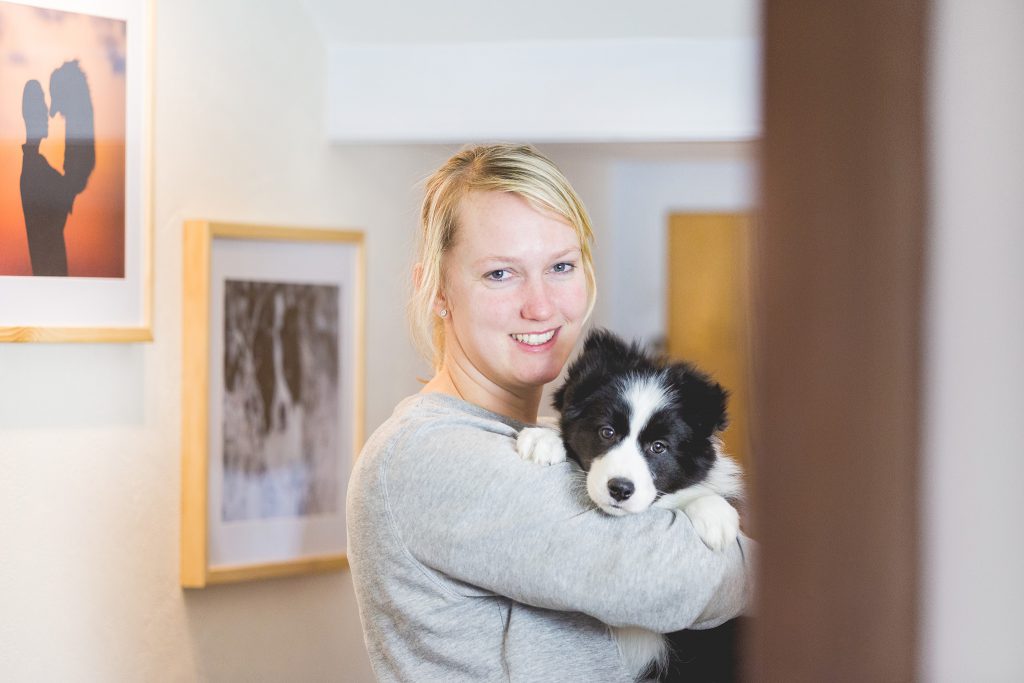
640	648
645	397
626	460
725	477
541	445
715	521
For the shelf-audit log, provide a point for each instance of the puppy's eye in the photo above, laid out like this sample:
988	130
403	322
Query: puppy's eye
606	433
658	447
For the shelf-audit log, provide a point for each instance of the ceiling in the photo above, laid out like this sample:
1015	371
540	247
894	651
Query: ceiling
409	21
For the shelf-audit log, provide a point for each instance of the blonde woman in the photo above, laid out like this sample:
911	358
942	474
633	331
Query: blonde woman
469	563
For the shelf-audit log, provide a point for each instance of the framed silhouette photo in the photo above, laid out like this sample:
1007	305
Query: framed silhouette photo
76	170
272	399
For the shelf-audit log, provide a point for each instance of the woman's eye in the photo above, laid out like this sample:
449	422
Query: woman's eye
606	433
658	447
564	267
497	275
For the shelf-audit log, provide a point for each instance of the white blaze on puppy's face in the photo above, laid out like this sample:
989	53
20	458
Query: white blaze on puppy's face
626	460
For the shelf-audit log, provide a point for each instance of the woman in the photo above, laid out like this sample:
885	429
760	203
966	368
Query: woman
469	563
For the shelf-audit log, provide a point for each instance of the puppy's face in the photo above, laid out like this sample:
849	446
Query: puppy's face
639	429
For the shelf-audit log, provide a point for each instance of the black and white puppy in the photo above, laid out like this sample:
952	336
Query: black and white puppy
646	433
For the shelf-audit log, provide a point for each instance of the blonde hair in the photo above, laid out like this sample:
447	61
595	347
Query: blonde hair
519	169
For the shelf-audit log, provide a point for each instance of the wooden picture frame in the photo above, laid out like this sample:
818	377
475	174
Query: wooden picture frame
272	398
76	261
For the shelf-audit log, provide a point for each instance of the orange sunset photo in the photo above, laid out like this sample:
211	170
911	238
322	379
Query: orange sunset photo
62	143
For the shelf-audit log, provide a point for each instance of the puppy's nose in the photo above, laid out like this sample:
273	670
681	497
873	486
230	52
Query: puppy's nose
620	488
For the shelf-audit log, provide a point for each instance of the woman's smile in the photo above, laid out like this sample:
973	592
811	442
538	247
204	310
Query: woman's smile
514	271
537	342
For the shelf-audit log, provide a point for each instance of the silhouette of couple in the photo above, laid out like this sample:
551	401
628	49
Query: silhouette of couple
47	195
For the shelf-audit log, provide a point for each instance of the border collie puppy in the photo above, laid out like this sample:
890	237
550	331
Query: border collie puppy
646	433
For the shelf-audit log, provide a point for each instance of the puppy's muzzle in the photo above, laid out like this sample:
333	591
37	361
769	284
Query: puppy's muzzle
620	489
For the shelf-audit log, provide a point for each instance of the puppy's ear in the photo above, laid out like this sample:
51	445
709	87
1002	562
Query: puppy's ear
615	352
604	342
582	379
583	376
604	354
701	399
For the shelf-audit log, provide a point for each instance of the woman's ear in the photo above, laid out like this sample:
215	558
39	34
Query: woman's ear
417	276
441	305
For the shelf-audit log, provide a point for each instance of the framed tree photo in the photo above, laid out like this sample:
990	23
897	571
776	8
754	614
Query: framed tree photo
272	399
76	170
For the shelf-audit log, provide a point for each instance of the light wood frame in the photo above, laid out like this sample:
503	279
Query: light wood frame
199	240
139	16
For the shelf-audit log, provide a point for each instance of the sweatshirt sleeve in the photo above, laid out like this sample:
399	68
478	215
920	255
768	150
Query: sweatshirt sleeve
465	505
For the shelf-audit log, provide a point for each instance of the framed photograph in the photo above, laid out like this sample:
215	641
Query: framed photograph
272	399
76	170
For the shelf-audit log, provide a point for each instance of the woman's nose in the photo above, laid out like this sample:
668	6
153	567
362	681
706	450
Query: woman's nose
537	305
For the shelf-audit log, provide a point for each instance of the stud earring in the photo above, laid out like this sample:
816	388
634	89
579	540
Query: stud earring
443	313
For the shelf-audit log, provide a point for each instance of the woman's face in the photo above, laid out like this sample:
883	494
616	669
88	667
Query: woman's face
515	291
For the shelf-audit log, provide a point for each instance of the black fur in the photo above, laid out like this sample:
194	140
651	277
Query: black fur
592	397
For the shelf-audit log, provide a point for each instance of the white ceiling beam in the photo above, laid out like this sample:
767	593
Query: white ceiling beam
634	90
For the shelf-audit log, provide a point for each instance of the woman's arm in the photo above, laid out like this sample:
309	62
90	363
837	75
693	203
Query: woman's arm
466	505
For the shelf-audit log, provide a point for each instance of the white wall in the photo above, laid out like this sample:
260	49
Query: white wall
641	90
398	21
973	464
645	193
90	434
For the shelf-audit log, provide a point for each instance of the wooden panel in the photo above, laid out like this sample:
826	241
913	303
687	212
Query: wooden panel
837	345
709	309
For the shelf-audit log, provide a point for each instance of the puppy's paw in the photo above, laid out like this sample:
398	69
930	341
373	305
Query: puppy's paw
716	522
541	445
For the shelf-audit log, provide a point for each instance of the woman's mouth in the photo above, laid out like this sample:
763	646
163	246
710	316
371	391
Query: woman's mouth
535	340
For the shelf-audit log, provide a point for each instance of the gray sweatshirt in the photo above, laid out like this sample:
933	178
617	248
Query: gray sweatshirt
471	564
